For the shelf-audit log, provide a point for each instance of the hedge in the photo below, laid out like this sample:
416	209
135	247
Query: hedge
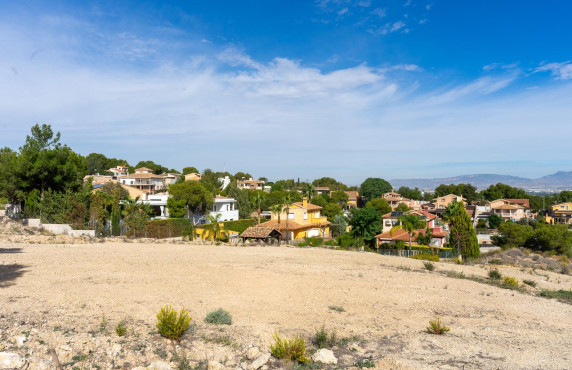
173	227
414	247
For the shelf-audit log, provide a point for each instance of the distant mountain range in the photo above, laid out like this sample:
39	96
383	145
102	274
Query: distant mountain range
559	181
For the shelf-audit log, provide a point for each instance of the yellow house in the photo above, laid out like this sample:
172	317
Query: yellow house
352	198
303	220
560	214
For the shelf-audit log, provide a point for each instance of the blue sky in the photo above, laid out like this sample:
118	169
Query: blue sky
287	89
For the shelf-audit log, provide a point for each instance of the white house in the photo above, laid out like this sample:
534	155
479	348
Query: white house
226	207
158	202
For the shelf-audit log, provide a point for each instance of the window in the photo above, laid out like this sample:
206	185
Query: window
305	215
317	214
291	216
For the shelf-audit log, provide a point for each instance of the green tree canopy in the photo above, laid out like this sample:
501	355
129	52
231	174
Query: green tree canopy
494	221
156	168
462	233
196	197
329	182
380	204
410	193
365	223
339	197
500	191
332	210
188	170
467	191
99	164
374	188
11	181
46	164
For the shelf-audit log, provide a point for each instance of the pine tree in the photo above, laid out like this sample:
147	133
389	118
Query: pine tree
463	234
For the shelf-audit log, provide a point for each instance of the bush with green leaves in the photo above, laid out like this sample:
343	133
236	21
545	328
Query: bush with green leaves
171	324
510	282
429	266
219	317
324	338
289	349
427	257
436	327
121	328
495	274
313	241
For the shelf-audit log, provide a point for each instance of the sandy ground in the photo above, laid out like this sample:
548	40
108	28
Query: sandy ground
388	301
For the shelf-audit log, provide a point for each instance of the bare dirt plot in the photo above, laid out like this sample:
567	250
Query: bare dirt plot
387	302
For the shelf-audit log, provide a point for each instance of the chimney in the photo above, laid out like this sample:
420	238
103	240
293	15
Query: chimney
305	202
425	212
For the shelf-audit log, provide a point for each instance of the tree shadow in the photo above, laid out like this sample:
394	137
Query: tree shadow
10	250
9	273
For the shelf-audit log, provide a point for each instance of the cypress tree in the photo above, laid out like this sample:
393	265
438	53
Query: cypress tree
463	234
115	221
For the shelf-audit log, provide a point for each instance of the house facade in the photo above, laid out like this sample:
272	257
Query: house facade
304	221
352	199
560	214
250	184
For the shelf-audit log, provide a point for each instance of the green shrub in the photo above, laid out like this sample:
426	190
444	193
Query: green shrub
495	261
495	274
510	282
313	241
532	283
429	266
427	257
561	295
172	325
289	350
435	327
121	329
219	317
325	339
337	308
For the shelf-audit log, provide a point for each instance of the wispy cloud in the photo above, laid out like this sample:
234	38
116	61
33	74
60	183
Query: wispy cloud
562	71
221	104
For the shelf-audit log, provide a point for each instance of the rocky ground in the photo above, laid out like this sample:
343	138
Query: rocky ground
61	300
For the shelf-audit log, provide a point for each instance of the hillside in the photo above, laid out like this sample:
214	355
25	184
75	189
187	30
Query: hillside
70	297
556	182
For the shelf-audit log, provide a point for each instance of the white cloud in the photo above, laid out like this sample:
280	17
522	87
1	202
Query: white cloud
397	26
278	118
343	11
562	71
364	3
380	12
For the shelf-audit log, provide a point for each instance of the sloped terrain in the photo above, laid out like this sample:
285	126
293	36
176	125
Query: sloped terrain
69	297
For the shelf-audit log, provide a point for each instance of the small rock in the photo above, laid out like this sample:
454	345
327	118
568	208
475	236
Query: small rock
253	352
356	348
10	360
66	348
19	340
325	356
214	365
159	365
260	361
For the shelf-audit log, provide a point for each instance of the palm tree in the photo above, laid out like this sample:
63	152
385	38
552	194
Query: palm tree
287	201
213	226
409	223
309	190
257	202
277	210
